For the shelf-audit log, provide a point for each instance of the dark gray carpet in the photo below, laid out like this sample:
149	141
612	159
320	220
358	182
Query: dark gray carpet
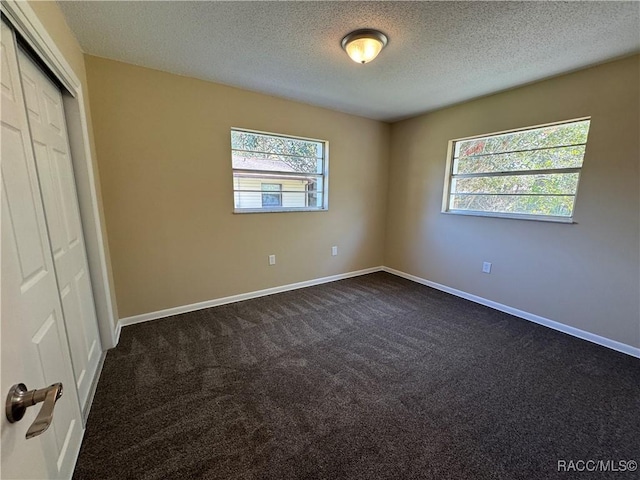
374	377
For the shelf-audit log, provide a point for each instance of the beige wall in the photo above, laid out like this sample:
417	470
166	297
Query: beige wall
51	17
585	275
163	144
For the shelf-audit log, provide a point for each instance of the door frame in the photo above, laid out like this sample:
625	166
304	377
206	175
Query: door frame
28	25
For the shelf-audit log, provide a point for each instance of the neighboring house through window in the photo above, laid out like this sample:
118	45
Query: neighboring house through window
274	173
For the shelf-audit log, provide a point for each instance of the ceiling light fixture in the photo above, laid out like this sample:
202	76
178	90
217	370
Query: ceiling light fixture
364	45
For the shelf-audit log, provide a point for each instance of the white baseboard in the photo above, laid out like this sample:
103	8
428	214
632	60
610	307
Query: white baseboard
561	327
116	334
576	332
145	317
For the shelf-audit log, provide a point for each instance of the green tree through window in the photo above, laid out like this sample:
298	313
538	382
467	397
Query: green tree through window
531	173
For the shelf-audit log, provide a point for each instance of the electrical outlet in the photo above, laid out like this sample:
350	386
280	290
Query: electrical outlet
272	259
486	267
334	250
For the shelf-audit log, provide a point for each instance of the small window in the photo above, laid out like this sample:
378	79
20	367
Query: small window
274	173
273	197
530	173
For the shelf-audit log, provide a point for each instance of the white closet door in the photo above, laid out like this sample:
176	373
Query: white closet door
55	172
33	341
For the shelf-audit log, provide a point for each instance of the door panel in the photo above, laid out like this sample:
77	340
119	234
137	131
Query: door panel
55	172
33	346
18	186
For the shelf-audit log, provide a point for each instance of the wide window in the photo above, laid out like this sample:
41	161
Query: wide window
274	173
530	173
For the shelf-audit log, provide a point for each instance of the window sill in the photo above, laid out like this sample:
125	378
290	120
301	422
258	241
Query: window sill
512	216
277	210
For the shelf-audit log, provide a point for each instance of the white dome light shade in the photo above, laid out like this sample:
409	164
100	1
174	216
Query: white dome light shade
364	45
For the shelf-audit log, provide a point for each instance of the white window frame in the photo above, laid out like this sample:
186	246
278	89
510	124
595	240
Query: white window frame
282	175
449	176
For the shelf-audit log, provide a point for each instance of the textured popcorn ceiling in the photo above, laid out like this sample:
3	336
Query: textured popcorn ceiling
439	53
